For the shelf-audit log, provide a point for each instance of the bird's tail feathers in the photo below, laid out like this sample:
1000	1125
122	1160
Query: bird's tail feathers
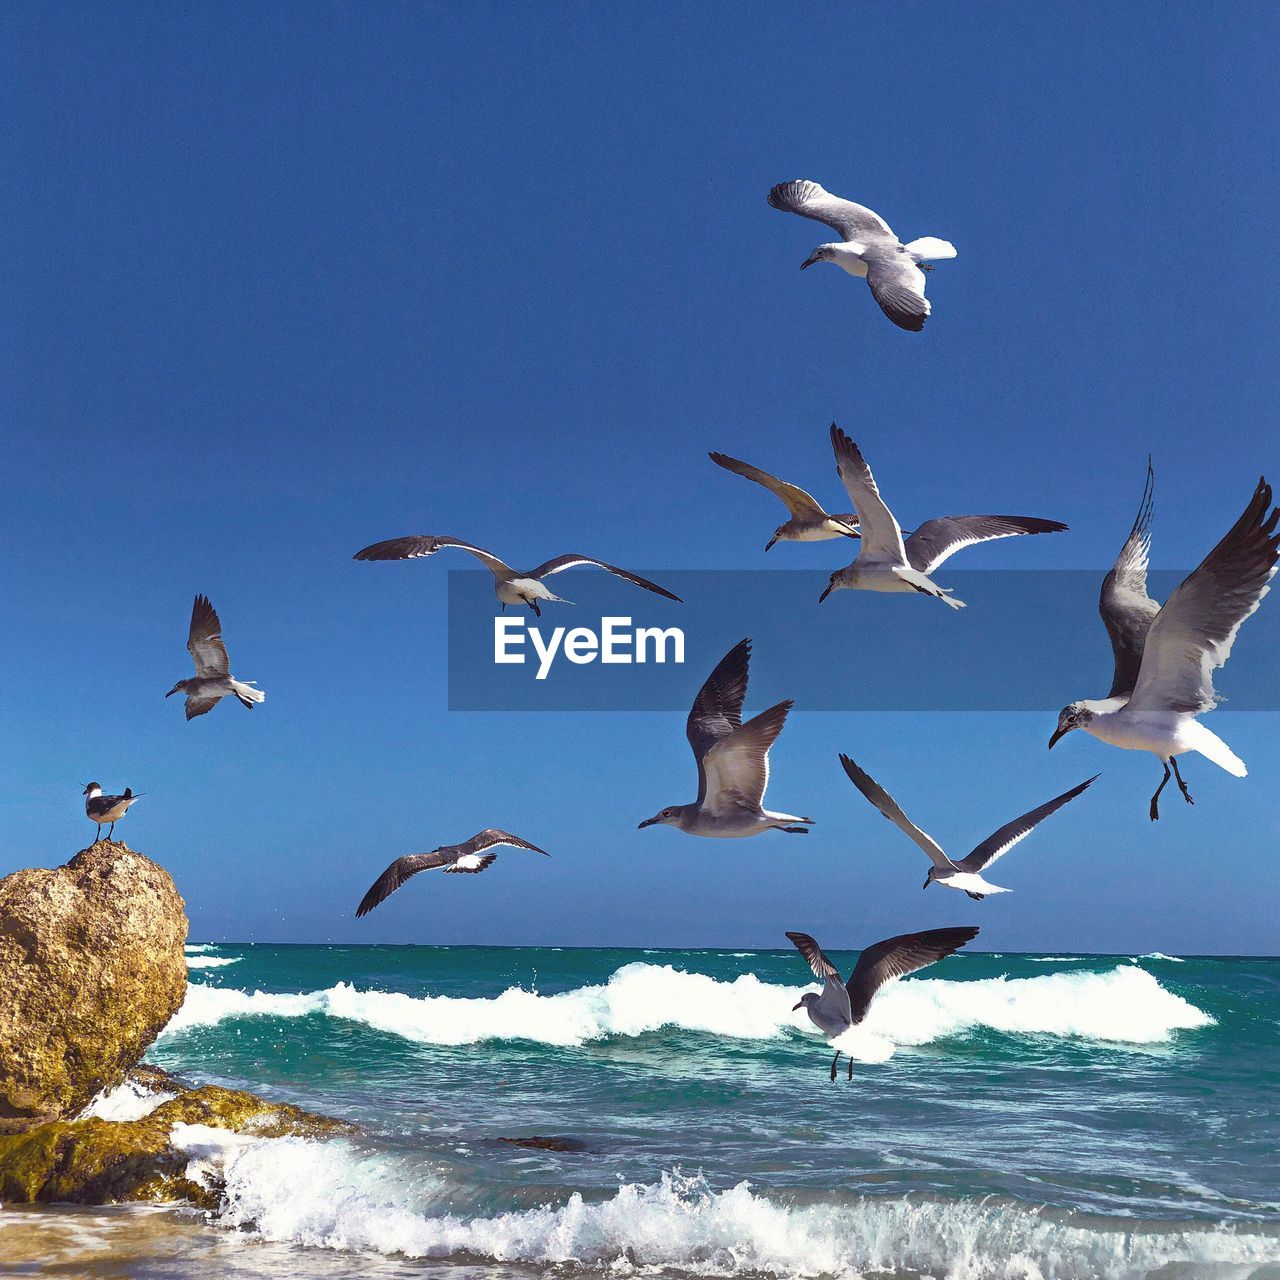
931	247
1212	747
247	694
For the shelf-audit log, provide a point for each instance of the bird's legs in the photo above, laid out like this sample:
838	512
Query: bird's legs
97	835
1182	786
1155	799
533	604
834	1061
850	1068
112	831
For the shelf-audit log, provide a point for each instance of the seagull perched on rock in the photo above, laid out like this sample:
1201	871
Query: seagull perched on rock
102	809
809	522
213	679
467	858
513	586
885	562
1165	657
841	1005
867	247
732	757
964	873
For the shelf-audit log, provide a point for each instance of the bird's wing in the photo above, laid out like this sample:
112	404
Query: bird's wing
198	706
417	545
717	710
833	989
850	221
795	499
561	563
889	807
1192	635
735	770
997	845
938	540
204	641
400	871
1126	608
896	957
897	284
881	534
489	838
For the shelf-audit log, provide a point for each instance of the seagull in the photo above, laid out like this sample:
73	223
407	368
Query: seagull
842	1005
103	809
809	522
213	679
867	247
468	859
885	562
733	759
511	585
1165	657
965	873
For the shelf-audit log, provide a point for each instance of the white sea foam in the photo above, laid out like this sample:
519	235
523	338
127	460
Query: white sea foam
211	962
1125	1005
328	1195
196	948
129	1101
1055	959
1160	955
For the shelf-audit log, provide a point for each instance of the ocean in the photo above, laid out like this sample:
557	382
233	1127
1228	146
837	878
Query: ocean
556	1112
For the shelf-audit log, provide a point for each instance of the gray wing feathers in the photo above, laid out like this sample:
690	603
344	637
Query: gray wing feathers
897	284
897	957
561	563
881	534
834	990
417	545
1126	608
851	221
397	873
736	768
204	642
889	807
796	500
938	540
998	844
717	710
490	837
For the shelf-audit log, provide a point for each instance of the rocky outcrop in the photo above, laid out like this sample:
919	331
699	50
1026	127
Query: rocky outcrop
91	969
99	1161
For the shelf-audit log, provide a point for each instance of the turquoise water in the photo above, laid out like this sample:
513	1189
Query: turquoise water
1009	1116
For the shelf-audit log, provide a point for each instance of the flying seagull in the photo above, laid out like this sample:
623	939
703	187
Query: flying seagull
733	759
213	679
885	562
841	1005
809	522
468	858
867	247
963	873
512	585
1165	657
102	809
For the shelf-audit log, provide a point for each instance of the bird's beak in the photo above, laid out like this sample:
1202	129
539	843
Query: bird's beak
648	822
826	592
1057	733
808	262
171	692
769	545
927	883
794	1007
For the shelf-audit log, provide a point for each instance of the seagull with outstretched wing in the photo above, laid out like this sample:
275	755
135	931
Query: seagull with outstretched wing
841	1005
965	873
1165	657
888	562
213	680
732	759
513	586
468	858
867	247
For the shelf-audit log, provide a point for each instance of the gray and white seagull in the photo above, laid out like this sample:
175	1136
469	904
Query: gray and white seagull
809	522
867	247
468	858
886	562
964	874
513	586
841	1005
1165	657
102	809
213	680
732	758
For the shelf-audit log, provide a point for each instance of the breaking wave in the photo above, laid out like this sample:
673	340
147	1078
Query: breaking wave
1124	1005
210	962
329	1195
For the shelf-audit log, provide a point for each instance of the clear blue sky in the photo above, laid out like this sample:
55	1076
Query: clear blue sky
282	280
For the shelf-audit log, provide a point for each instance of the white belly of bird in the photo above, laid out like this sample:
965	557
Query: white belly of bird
874	577
1161	738
522	590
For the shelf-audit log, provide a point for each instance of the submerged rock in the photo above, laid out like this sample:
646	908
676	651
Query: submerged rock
91	969
98	1161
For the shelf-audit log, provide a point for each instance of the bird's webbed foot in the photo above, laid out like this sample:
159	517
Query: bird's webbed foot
1182	786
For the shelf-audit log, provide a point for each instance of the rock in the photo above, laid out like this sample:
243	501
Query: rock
92	968
106	1162
537	1143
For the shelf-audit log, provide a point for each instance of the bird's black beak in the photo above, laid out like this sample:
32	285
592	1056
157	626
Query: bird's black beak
171	693
1057	733
928	881
768	546
826	592
808	262
794	1007
648	822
